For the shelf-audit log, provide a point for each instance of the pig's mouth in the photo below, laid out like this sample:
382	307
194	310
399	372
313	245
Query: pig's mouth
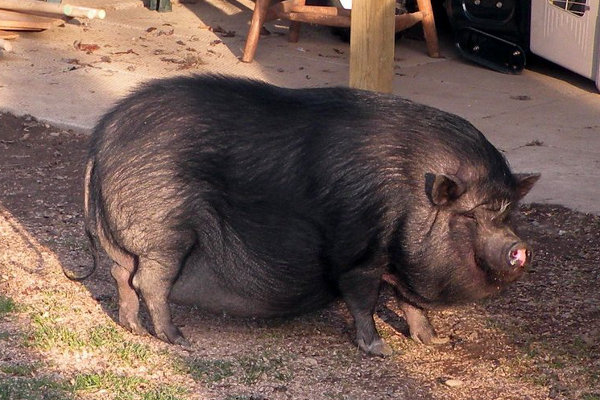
500	275
504	263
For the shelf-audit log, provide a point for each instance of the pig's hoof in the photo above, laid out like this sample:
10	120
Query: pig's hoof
134	327
440	340
183	342
173	336
428	337
377	348
421	331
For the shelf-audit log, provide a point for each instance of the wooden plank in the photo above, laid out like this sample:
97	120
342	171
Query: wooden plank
8	35
405	21
314	18
15	21
372	45
35	6
320	10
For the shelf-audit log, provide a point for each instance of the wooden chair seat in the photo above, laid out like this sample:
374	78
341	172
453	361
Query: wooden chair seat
297	12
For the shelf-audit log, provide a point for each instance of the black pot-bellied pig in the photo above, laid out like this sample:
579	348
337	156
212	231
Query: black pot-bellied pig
254	200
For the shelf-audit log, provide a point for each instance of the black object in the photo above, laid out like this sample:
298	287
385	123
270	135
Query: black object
493	33
160	5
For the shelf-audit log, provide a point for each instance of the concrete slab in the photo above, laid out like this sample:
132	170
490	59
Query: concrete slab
546	119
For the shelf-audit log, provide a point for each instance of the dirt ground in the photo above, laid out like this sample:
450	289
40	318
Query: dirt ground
58	339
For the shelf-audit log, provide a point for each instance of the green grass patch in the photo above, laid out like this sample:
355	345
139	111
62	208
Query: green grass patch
105	336
48	334
244	397
33	389
19	369
57	302
7	305
591	396
119	384
545	358
248	369
109	337
126	387
210	371
165	393
539	379
129	351
253	367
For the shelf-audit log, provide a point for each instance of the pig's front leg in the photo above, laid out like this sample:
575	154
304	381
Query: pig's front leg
360	291
419	327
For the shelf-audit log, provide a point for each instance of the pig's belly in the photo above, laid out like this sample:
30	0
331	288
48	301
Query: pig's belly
236	291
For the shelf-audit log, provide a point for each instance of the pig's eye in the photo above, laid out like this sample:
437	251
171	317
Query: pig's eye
469	215
500	218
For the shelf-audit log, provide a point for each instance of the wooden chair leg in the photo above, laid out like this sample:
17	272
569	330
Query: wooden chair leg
261	12
258	19
294	34
431	39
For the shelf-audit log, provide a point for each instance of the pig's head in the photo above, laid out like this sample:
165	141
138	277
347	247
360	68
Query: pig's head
458	243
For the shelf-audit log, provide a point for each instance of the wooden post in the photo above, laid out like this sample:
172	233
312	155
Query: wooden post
372	45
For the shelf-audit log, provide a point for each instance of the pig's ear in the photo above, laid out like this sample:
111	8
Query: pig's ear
443	189
524	183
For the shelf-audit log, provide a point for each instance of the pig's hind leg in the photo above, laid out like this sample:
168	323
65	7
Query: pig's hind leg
129	303
154	278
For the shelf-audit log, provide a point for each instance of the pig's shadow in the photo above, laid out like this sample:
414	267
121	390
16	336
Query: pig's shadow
395	321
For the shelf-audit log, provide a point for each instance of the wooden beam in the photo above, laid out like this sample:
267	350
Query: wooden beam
372	45
16	21
8	35
320	19
405	21
35	6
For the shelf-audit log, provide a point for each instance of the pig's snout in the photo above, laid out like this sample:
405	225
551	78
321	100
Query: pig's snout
506	257
519	255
